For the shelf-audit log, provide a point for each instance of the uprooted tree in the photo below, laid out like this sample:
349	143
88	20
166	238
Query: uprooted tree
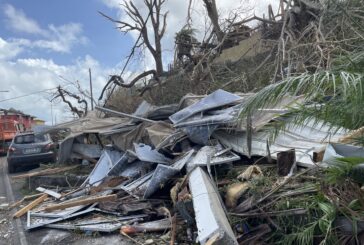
152	41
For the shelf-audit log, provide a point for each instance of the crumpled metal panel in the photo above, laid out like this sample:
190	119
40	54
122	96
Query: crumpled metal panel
145	153
160	176
139	185
211	219
65	149
200	134
106	162
119	166
227	115
162	112
89	150
104	227
304	140
147	110
142	110
99	224
33	223
341	150
213	100
210	155
163	173
136	169
146	185
57	213
182	161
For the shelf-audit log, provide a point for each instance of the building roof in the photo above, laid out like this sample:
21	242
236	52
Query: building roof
13	111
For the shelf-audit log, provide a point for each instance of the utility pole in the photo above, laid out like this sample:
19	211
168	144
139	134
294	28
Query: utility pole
52	112
92	97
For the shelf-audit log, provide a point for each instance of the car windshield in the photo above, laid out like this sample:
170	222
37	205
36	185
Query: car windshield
30	138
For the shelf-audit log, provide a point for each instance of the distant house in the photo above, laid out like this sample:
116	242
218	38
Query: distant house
24	121
37	121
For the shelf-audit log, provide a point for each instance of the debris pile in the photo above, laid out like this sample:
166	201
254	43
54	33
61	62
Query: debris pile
195	172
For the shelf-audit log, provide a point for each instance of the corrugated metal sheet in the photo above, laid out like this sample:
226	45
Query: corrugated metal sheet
304	140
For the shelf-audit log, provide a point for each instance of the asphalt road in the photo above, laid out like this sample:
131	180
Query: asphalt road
12	231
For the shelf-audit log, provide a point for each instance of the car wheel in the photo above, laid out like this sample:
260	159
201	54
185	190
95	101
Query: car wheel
11	168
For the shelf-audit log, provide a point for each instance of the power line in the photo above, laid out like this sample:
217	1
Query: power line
25	95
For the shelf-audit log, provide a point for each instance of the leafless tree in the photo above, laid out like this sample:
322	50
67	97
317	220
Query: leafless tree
211	9
139	23
69	97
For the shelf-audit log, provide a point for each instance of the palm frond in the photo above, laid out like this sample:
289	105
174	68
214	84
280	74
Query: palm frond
341	168
335	97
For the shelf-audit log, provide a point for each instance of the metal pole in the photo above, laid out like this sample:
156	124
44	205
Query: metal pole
92	97
52	112
122	114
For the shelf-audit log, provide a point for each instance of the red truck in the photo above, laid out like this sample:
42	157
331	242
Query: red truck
12	122
8	129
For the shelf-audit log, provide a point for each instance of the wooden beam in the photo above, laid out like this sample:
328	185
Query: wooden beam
80	202
45	172
26	198
285	161
30	206
318	154
288	212
49	192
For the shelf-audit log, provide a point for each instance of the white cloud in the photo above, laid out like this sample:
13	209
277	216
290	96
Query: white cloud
18	21
62	38
53	38
9	50
112	3
24	76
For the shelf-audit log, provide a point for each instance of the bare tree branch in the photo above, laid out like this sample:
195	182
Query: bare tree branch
139	24
62	93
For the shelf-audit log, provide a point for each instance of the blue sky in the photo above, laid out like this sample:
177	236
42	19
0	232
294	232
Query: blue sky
44	41
103	43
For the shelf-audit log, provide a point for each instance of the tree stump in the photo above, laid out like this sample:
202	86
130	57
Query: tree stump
285	161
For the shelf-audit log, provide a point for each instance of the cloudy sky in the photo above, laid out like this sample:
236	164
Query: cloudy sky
45	43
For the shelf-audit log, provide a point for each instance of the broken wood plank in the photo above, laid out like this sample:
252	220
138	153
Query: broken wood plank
45	172
173	229
26	198
86	201
49	192
30	206
318	154
295	211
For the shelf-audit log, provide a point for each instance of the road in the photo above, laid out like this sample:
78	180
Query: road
12	230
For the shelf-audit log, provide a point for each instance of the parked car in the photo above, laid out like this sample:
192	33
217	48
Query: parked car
30	149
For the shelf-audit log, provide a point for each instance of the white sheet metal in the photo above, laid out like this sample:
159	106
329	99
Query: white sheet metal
304	140
213	100
210	216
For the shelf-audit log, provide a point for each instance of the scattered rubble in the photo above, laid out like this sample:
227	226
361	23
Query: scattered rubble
199	173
